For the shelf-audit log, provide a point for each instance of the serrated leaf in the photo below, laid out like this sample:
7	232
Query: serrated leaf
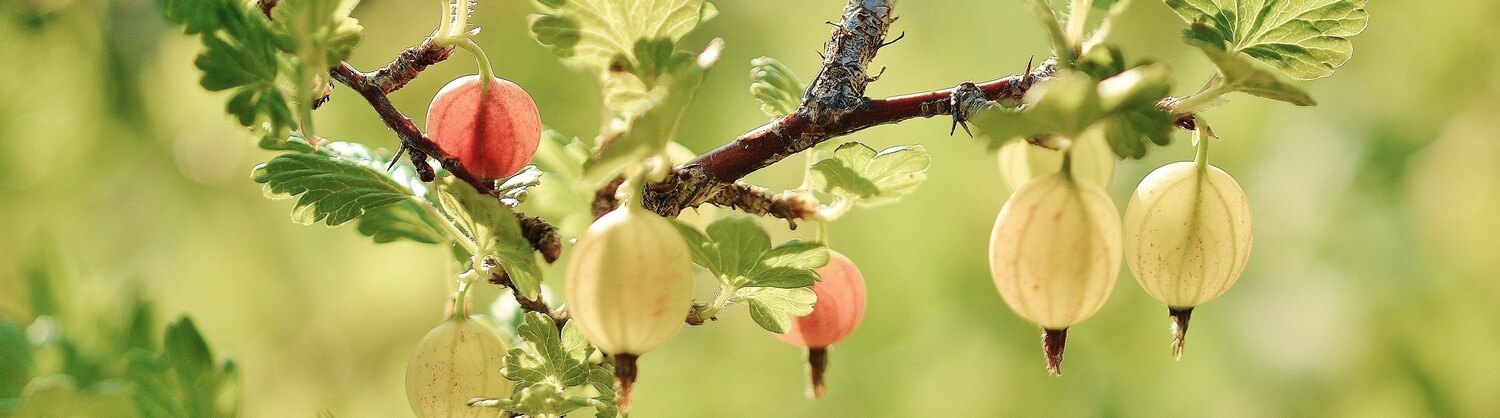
319	29
739	253
702	248
184	379
1243	75
239	55
1306	39
646	132
858	173
547	355
334	187
772	308
592	33
401	220
775	86
495	231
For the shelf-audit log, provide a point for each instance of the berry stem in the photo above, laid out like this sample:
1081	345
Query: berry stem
486	72
1200	159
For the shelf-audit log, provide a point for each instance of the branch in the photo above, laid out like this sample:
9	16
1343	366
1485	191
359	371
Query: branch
833	106
538	305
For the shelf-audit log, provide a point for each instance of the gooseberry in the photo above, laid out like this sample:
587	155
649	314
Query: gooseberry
458	360
1054	255
840	306
493	127
629	286
1187	237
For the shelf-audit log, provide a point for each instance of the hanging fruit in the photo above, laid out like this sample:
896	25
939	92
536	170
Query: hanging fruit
629	286
840	306
1055	254
1187	236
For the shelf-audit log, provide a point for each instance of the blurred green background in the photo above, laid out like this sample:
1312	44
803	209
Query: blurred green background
1371	290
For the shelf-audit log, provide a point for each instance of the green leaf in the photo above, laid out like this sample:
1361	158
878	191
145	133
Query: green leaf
546	355
1243	75
602	379
647	132
239	55
318	33
739	253
1123	105
402	220
336	185
775	86
184	379
561	197
592	33
319	29
15	359
772	280
494	230
858	174
1306	39
545	364
772	308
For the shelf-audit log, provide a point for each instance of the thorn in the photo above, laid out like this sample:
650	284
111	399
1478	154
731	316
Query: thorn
898	39
817	366
1053	342
1026	77
625	379
395	159
1180	319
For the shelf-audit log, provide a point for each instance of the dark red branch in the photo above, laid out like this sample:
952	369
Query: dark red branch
794	133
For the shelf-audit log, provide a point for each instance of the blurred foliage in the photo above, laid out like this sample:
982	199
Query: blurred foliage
1370	291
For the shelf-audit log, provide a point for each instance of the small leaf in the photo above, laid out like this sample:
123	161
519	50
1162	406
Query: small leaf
773	308
647	131
1306	39
401	220
775	86
333	189
591	33
1242	74
856	172
494	230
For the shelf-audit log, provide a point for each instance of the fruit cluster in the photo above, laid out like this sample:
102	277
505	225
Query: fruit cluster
1056	247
